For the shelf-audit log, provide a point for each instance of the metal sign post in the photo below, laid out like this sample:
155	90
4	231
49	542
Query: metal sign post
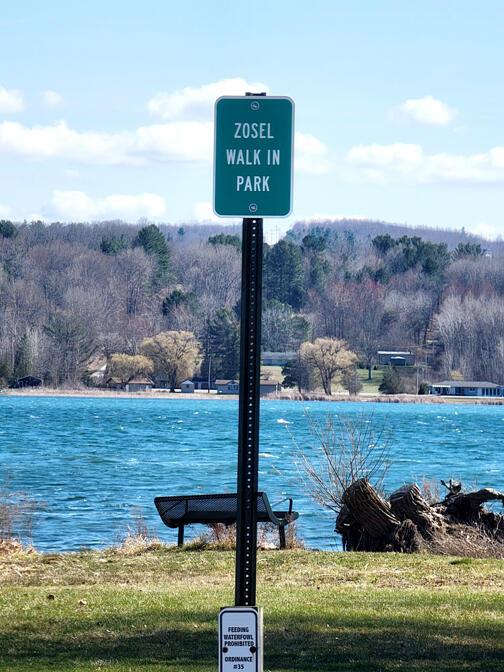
252	179
248	413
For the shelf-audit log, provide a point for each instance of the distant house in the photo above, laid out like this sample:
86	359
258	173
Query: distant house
466	388
201	383
138	385
396	358
27	381
277	358
268	386
227	386
187	386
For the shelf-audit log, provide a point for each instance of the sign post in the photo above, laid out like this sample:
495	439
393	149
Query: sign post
252	179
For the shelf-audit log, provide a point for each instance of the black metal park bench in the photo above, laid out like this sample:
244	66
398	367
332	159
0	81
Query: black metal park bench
182	510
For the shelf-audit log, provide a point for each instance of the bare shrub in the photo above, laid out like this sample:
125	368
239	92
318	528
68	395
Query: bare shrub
468	541
223	537
292	540
138	526
138	538
346	450
17	514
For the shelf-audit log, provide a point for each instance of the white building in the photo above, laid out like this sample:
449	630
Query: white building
227	386
466	388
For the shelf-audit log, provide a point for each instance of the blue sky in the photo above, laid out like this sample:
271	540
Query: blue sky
106	108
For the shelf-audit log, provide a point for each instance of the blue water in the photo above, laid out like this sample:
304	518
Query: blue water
96	463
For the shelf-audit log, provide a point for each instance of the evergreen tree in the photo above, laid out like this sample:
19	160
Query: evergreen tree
223	345
23	357
175	299
113	244
283	273
297	374
154	244
392	382
225	239
383	243
7	229
464	250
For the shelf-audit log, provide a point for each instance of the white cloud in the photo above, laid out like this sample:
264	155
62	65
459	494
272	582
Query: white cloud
72	173
36	217
52	98
183	141
58	140
486	230
310	155
174	141
428	110
411	163
77	205
197	103
10	101
403	157
203	212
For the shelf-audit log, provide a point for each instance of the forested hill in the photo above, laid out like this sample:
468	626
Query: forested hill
369	228
191	232
72	295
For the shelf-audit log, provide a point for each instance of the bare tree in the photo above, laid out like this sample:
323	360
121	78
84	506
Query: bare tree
328	356
345	449
176	355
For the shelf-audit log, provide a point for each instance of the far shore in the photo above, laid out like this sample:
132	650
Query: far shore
280	396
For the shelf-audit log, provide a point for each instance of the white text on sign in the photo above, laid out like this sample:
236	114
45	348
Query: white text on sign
244	130
253	157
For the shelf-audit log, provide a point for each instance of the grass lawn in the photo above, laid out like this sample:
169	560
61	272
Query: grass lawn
156	610
274	372
370	386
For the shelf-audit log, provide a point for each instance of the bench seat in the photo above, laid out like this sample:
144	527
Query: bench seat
180	510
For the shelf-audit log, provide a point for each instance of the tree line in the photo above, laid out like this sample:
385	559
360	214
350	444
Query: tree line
74	295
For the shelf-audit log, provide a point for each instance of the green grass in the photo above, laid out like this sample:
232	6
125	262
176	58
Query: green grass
153	610
274	372
370	386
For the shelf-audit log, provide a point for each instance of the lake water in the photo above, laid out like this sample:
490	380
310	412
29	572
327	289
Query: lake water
96	463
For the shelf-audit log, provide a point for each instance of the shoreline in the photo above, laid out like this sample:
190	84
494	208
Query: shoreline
282	396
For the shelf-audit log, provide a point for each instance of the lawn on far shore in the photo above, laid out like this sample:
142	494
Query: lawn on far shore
153	609
370	386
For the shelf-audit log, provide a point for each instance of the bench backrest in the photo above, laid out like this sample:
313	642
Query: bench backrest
179	510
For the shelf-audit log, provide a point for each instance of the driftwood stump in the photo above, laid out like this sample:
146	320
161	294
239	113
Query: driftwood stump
407	522
367	522
407	503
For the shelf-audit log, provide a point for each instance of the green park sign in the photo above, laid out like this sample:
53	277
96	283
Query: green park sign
253	157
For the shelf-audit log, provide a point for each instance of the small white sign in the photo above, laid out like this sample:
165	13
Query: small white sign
240	639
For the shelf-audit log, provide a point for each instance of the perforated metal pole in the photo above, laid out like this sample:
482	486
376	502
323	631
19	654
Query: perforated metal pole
248	427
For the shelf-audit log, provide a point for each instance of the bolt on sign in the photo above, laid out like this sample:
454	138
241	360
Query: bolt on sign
253	157
240	639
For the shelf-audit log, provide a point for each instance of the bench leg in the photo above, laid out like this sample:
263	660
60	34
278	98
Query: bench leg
281	534
180	539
